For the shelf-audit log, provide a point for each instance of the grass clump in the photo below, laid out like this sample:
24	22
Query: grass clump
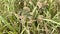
29	16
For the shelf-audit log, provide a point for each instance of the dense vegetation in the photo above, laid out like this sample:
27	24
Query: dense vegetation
29	16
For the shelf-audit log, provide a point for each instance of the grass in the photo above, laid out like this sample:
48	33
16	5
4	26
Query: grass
29	16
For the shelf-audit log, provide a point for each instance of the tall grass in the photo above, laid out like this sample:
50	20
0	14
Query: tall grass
29	16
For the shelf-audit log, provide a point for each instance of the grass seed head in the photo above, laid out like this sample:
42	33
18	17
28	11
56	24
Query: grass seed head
39	4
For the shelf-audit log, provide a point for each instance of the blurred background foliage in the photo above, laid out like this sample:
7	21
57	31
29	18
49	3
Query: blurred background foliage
29	16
